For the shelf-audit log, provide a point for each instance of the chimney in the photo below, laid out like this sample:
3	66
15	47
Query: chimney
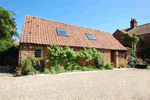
133	23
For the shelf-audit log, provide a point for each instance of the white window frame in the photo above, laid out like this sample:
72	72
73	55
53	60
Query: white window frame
42	52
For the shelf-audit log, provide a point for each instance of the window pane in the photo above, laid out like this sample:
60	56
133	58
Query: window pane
121	55
90	36
124	40
62	32
38	53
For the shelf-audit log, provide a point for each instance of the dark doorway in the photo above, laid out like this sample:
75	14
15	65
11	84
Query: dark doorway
40	67
9	59
148	53
112	56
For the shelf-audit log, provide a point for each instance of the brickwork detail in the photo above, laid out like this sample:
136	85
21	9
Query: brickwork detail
28	50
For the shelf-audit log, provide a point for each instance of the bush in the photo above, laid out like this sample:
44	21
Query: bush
86	69
109	66
55	69
127	66
28	63
139	60
142	63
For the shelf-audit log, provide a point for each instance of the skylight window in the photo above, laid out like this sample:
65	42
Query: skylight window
62	32
90	36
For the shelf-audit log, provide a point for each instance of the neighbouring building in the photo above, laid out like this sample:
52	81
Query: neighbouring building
38	33
143	50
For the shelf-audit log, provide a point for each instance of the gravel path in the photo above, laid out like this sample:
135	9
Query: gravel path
131	84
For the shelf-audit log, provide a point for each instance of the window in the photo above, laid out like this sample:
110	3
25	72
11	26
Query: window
38	53
62	32
90	36
121	55
124	55
124	40
128	53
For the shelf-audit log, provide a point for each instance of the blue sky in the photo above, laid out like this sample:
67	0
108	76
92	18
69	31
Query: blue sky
105	15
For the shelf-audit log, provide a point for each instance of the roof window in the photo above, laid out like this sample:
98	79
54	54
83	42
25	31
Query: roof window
62	32
90	36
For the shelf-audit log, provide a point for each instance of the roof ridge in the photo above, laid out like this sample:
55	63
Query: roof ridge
143	24
68	24
136	26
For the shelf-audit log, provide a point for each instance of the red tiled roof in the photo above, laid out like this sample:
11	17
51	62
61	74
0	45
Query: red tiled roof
41	31
141	29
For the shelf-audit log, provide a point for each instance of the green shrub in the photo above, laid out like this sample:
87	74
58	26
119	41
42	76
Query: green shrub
109	66
86	69
144	62
127	66
55	69
102	68
28	63
47	72
148	67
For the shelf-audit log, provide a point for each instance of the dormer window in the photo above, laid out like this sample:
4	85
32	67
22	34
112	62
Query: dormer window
62	32
90	36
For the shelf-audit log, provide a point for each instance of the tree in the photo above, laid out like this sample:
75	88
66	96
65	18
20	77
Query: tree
133	40
7	29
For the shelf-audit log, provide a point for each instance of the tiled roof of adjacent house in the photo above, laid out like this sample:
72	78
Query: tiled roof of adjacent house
41	31
141	29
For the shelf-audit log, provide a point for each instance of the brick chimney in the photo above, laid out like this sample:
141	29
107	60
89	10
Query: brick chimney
133	23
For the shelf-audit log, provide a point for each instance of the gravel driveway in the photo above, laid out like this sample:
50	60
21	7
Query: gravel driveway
129	84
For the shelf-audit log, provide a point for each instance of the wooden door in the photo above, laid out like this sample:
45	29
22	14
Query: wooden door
112	56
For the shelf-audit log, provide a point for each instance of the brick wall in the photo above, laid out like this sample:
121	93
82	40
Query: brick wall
28	50
122	61
118	36
107	54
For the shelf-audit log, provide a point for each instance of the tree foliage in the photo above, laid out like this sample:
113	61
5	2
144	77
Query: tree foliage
133	40
7	29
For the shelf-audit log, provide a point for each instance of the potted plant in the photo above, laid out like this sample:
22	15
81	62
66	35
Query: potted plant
18	71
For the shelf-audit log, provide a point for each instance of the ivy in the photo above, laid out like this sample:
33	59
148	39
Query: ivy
70	58
133	40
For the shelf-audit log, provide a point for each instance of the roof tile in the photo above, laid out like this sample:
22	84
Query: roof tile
44	32
141	29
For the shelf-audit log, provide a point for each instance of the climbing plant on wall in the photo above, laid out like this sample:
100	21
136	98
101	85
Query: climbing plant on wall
70	58
133	40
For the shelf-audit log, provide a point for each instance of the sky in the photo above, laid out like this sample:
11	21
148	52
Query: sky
104	15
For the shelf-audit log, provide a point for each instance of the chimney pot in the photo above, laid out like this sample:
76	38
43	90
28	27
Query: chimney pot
133	23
